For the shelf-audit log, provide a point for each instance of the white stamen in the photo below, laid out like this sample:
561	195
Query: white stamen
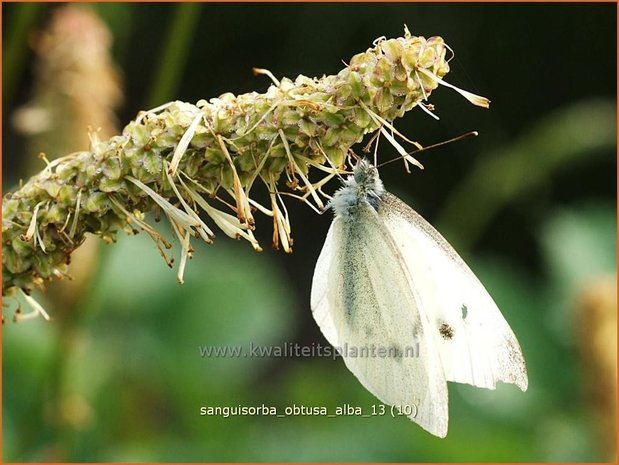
185	221
378	40
184	254
32	231
229	224
142	114
268	73
425	108
423	90
203	230
242	206
299	172
35	306
473	98
78	203
181	148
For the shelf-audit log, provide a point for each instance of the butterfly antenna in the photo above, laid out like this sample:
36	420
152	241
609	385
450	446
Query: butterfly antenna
423	149
376	148
353	157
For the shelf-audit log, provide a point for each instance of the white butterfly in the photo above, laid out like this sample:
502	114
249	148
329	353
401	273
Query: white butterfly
387	279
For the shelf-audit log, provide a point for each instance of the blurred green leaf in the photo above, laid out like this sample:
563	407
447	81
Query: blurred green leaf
580	244
564	140
15	47
175	53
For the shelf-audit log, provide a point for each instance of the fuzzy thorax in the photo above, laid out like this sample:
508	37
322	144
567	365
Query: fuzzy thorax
362	187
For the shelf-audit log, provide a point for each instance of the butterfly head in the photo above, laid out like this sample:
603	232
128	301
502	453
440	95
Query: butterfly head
362	187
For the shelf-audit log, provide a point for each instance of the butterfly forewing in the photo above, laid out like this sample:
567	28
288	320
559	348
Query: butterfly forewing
362	298
476	344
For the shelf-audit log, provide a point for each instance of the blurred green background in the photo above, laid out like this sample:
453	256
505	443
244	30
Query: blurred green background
530	204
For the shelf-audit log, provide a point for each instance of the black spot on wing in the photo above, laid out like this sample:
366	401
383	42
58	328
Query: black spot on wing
446	331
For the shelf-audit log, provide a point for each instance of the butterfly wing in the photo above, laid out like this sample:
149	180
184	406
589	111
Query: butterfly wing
327	265
362	298
476	344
